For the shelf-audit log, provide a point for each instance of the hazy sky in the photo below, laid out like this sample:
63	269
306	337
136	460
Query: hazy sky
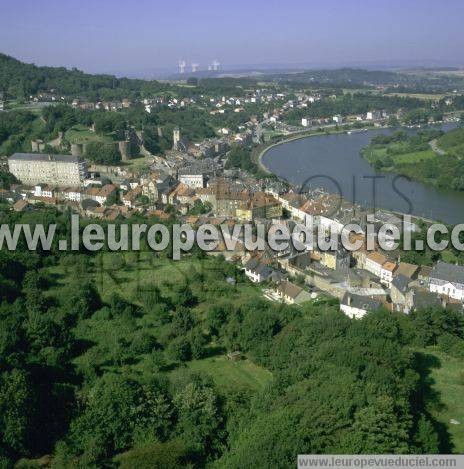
132	37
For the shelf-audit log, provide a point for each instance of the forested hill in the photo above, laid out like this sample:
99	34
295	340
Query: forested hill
18	80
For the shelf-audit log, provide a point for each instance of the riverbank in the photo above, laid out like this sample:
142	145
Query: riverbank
261	150
337	155
431	157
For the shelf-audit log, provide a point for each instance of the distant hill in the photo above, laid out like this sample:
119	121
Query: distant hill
18	80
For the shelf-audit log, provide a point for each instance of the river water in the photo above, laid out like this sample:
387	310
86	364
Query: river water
334	162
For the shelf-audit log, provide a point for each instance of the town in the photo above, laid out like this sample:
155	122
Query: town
194	182
231	234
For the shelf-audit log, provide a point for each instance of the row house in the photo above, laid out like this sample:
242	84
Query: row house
357	306
381	267
101	195
447	280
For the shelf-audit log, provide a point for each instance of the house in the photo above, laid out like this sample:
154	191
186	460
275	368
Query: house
356	306
257	272
448	280
43	190
408	270
400	293
374	262
191	177
72	194
21	206
100	195
130	197
386	273
105	193
291	293
423	274
336	259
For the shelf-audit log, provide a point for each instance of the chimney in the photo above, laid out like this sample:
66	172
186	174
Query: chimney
349	300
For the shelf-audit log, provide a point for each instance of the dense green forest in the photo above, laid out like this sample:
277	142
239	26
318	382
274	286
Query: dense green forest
440	164
118	360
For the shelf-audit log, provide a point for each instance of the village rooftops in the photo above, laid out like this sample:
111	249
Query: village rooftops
289	289
408	270
360	302
377	258
401	283
448	272
390	266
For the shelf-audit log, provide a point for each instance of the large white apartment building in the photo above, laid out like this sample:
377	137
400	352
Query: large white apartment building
55	170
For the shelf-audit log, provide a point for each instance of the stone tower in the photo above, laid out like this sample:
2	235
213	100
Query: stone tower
176	138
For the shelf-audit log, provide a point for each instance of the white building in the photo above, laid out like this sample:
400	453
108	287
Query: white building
74	195
386	273
55	170
374	262
42	190
191	177
447	280
256	271
356	306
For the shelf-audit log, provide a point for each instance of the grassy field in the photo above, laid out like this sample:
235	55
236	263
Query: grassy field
414	157
135	163
81	134
424	96
242	374
447	381
374	154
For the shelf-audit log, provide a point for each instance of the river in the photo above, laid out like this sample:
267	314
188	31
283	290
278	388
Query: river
334	163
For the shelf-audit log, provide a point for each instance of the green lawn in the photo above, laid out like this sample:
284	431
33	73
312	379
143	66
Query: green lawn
81	134
374	154
242	374
447	379
414	157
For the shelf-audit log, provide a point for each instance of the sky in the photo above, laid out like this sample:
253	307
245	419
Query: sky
143	36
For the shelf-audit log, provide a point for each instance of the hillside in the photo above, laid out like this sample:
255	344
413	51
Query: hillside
453	143
429	156
19	80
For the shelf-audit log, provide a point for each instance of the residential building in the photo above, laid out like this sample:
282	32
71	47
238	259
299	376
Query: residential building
400	293
100	195
386	273
256	271
356	306
291	293
447	280
336	259
408	270
55	170
191	177
374	262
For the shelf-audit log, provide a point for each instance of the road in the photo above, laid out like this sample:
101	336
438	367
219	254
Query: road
434	146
